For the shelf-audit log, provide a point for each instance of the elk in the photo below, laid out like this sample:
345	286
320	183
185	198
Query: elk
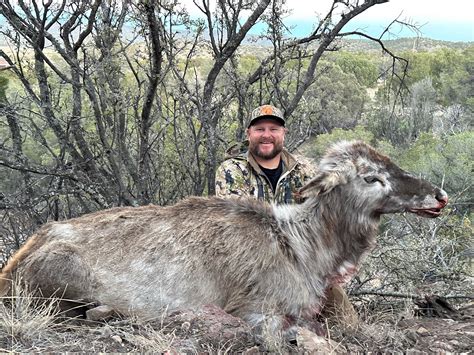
257	261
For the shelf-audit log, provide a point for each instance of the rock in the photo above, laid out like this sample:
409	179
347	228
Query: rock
210	325
411	335
99	313
455	343
441	346
106	331
185	326
309	342
116	338
252	351
422	331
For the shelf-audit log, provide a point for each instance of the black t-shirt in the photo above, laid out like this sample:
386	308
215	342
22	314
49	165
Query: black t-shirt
273	174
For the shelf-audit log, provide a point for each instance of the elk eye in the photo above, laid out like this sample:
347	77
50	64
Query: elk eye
372	180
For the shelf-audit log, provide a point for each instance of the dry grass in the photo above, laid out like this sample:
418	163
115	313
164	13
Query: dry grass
25	319
142	336
376	330
28	324
271	340
33	324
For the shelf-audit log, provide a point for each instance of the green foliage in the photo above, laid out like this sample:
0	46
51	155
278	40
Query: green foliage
419	66
362	66
404	125
457	229
449	70
336	98
385	124
323	141
248	64
3	88
422	105
444	161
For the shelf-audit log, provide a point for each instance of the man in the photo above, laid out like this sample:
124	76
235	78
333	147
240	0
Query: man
266	171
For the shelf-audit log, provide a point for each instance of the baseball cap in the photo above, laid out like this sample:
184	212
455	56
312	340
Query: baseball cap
266	111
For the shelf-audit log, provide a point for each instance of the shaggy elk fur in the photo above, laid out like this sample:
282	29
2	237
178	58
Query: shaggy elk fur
255	260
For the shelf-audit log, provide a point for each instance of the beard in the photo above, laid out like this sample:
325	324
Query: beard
254	148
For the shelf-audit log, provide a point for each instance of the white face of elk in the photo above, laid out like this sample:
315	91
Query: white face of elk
369	182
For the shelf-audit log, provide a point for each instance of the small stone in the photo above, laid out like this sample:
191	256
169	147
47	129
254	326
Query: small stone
439	345
99	313
449	320
106	331
411	335
116	338
185	326
312	343
252	351
422	331
455	342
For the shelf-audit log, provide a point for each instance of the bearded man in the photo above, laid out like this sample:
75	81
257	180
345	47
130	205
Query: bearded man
264	170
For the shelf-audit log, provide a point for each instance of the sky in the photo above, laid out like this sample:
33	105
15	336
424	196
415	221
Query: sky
451	20
448	20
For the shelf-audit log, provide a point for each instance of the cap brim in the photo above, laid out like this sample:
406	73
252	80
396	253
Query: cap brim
275	118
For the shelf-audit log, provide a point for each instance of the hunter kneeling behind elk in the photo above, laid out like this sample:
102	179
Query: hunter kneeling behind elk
268	264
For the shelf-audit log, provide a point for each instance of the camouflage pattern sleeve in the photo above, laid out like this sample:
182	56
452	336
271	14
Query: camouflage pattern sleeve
232	178
307	167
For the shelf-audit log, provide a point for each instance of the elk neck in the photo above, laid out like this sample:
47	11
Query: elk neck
329	227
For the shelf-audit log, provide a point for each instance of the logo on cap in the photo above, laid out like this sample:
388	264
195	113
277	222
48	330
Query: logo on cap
266	110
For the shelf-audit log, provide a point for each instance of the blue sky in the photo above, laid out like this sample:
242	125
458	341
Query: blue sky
440	30
451	20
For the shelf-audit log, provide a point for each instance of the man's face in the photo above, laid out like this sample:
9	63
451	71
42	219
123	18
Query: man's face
266	138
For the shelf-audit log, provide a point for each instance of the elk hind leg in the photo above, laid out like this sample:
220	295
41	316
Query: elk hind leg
59	271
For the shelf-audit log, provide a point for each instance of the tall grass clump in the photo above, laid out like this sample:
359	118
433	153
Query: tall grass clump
25	318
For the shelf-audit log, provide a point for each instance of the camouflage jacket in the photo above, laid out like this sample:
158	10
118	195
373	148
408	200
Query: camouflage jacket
240	175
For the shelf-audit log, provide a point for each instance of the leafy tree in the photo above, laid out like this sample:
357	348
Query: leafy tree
446	161
449	70
320	144
422	107
335	100
362	66
3	88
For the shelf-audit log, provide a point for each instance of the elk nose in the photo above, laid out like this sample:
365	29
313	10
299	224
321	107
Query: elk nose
442	197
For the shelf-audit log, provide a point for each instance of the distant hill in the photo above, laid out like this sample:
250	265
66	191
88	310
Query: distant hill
402	44
261	49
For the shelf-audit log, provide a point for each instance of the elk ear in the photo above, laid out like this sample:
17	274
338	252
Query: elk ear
323	183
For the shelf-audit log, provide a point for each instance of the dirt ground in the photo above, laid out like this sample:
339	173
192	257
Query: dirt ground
424	334
211	330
